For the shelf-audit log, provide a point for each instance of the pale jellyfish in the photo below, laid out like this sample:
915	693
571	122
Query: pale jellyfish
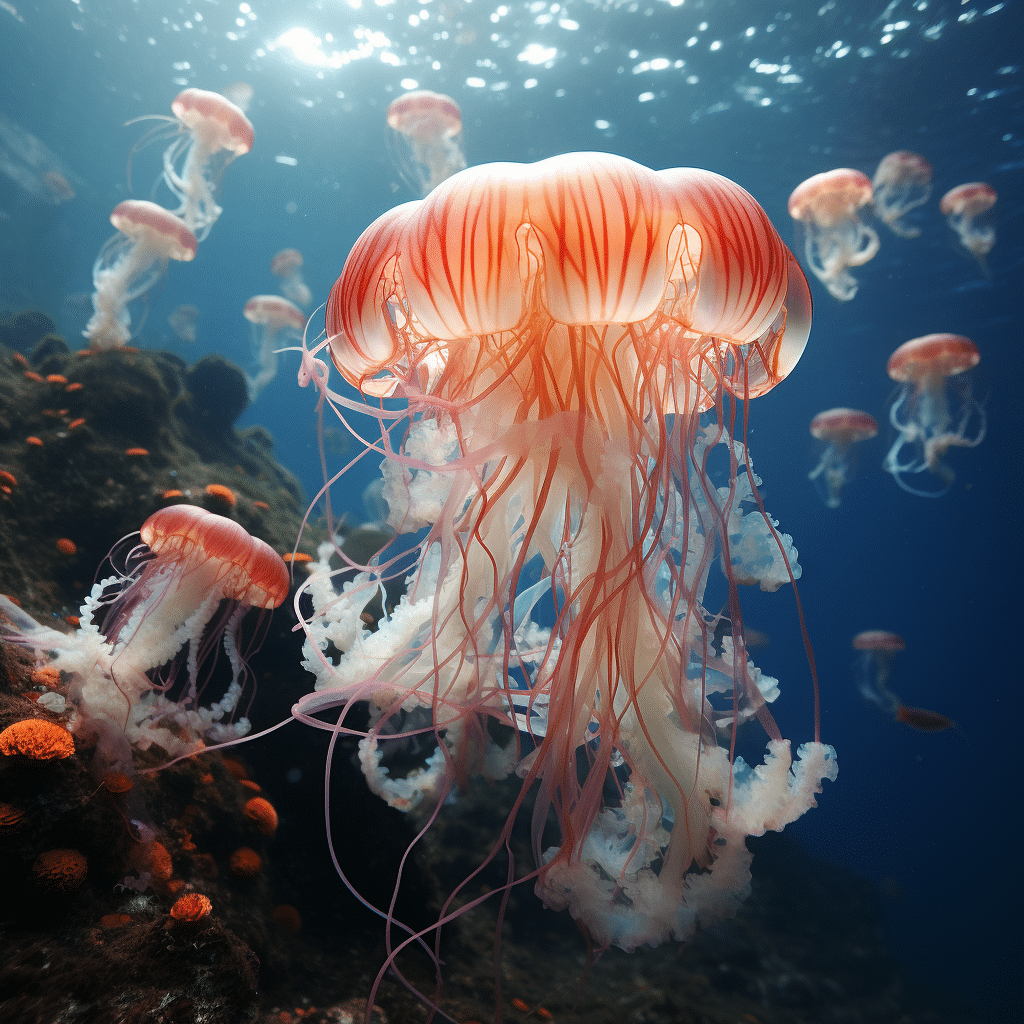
214	132
272	318
966	210
33	166
428	132
287	265
183	322
828	208
929	424
839	430
130	263
902	182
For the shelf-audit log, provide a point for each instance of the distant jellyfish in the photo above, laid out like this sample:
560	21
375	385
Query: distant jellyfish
902	182
240	93
130	263
214	132
839	430
428	134
876	649
183	322
828	208
272	318
58	186
929	413
966	209
287	265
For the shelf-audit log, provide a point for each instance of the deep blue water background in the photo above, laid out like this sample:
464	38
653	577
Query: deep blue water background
934	817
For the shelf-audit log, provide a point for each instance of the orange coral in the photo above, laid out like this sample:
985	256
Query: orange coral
160	862
137	452
38	739
114	920
34	441
298	558
73	620
11	818
66	546
262	814
249	784
47	676
288	919
172	493
222	493
245	862
8	478
60	871
76	386
56	378
191	907
75	424
32	375
118	782
261	504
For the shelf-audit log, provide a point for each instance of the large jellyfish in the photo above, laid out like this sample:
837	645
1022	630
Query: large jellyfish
213	132
931	413
428	138
839	430
966	208
572	337
287	265
130	263
902	182
875	650
272	319
828	208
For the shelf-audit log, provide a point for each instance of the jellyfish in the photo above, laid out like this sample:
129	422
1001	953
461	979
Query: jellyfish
930	414
902	182
287	265
149	635
33	166
213	132
876	649
130	263
827	207
839	429
569	340
183	320
272	318
966	210
428	137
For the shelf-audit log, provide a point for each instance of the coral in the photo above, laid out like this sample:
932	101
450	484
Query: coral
60	871
191	908
262	815
11	818
38	739
245	862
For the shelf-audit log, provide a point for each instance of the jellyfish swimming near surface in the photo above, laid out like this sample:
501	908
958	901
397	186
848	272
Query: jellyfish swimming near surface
839	430
273	318
902	182
287	265
570	340
934	409
183	321
828	207
213	132
427	135
130	263
966	209
876	649
34	166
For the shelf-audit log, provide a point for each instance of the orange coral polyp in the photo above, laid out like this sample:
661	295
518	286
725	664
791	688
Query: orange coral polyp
261	813
38	739
191	908
60	871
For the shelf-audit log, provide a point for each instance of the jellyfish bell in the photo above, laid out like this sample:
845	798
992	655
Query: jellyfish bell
130	263
930	415
828	209
838	430
880	641
273	318
183	320
966	210
902	182
287	265
556	330
427	129
213	132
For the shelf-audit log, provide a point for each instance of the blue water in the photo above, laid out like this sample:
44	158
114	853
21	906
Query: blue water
765	97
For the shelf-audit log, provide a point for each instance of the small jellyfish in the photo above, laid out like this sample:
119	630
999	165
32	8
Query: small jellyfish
827	208
240	93
428	138
966	209
287	265
922	412
130	263
183	322
839	430
58	186
876	649
271	317
902	182
213	132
